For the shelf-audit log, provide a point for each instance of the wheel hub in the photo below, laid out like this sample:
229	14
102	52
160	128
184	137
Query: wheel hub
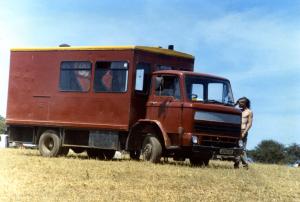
147	151
49	144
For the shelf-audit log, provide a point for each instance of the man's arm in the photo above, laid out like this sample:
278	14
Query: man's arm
249	124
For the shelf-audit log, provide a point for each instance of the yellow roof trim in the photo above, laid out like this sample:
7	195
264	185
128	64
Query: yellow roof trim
85	48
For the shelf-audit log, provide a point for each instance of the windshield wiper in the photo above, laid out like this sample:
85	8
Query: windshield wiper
229	103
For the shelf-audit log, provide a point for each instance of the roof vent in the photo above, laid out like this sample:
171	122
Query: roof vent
64	45
171	47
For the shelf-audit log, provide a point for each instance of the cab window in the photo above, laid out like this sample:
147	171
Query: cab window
169	87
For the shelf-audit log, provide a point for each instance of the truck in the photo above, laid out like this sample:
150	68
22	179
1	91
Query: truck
145	100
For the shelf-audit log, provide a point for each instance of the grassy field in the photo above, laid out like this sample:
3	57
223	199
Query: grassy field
26	176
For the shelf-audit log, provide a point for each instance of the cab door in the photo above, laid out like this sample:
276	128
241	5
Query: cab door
165	104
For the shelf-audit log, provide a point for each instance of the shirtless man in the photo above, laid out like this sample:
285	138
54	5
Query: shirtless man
247	117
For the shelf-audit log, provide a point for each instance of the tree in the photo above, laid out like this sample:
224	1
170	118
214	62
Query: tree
2	125
269	151
292	153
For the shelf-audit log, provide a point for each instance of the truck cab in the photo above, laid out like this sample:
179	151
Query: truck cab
195	114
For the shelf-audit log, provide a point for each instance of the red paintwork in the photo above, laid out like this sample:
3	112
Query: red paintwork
173	114
34	97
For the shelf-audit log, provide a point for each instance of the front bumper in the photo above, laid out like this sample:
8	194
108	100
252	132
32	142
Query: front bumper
233	151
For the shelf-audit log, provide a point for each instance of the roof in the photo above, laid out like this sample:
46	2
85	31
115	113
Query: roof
179	72
156	50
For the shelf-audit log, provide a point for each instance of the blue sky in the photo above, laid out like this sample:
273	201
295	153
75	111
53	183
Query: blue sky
256	44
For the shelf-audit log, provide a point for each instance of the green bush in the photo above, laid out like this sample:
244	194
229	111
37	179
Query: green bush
2	125
270	151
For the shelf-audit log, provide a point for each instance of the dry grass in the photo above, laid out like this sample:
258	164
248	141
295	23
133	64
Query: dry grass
26	176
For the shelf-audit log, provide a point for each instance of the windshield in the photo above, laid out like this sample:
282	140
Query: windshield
209	90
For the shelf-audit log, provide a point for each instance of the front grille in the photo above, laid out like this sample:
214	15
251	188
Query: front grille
217	129
217	134
216	141
232	130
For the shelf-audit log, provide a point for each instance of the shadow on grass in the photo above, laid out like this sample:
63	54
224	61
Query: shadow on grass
169	161
214	164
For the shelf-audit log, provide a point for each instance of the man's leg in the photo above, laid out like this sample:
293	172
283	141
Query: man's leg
244	159
244	155
236	161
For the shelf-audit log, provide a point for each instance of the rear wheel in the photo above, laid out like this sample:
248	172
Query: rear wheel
151	149
50	144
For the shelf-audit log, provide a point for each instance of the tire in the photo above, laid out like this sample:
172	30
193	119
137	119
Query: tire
50	144
95	154
108	154
151	149
199	161
135	155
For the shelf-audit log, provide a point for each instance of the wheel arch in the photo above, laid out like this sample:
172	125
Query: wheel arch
140	130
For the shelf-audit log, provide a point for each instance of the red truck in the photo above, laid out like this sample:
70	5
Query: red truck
145	100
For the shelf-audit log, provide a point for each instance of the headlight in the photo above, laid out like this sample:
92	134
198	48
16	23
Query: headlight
194	139
241	143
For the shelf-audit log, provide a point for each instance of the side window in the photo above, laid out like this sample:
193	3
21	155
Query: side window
111	76
170	87
142	78
75	76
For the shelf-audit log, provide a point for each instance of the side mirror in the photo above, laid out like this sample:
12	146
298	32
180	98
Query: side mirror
159	83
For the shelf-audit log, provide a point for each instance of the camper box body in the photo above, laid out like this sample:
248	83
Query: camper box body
38	99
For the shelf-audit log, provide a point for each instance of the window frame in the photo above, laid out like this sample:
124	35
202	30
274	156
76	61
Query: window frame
179	85
206	81
145	83
94	76
60	75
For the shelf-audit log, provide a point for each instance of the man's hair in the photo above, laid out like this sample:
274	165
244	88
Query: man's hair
247	101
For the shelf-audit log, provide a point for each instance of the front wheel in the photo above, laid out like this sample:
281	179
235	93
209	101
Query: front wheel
151	149
50	144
